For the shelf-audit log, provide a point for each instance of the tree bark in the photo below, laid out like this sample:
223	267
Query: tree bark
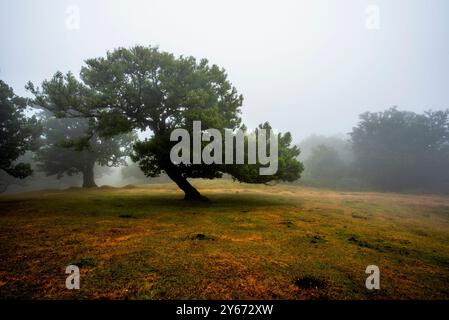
190	193
88	176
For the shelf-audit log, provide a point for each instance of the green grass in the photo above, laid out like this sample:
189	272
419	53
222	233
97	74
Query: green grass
250	242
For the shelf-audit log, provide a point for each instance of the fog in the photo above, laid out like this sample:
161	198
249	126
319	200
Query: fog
309	67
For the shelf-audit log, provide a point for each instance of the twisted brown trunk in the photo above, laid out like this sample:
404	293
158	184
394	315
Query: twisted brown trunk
190	193
88	176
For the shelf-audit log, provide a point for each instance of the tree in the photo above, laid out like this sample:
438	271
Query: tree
339	142
18	134
69	147
324	167
145	89
399	150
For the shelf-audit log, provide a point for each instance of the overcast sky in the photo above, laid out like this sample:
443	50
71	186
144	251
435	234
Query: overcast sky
305	66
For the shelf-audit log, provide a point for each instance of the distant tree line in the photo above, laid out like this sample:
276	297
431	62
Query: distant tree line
392	150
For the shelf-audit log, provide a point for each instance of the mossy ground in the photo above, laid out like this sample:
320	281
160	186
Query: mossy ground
249	242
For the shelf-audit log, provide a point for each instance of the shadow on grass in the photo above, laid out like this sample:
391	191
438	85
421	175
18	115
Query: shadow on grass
244	203
96	202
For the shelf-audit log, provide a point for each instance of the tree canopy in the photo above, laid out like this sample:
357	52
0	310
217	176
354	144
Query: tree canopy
142	88
68	147
400	150
19	133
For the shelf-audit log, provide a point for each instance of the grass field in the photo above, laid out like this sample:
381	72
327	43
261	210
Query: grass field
250	242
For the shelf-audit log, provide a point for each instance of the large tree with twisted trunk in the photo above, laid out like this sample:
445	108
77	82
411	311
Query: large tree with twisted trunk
145	89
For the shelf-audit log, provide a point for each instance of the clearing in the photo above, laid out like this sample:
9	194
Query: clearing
250	242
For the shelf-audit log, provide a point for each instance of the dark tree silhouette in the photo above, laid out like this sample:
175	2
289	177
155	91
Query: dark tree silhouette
70	147
399	150
18	133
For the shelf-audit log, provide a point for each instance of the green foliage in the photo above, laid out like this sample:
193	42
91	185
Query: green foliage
65	96
289	168
75	136
155	90
144	89
18	133
149	89
400	150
